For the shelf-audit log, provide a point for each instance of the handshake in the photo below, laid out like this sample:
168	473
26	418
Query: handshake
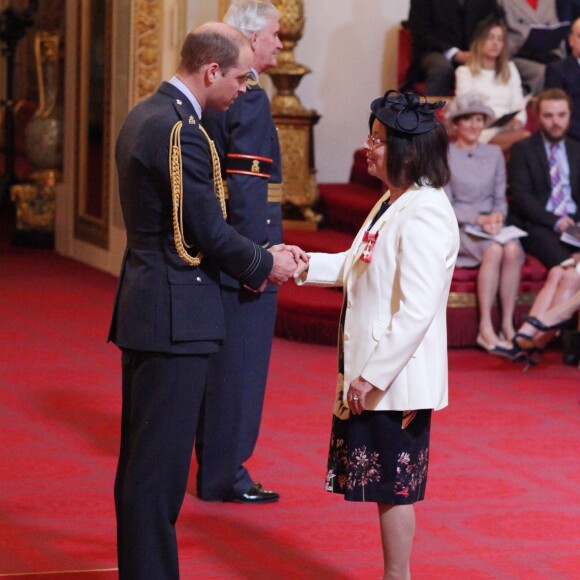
289	262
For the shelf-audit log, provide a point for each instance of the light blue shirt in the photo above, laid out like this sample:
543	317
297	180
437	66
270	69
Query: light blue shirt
178	84
564	168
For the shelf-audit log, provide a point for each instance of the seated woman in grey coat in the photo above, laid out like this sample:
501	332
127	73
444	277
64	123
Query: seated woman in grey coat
477	192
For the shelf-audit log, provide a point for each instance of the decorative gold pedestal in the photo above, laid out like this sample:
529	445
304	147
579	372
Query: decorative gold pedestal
295	124
299	182
35	207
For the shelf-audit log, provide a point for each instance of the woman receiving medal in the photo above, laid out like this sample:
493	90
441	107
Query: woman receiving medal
393	335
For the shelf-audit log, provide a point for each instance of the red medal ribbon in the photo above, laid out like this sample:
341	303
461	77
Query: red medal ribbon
371	240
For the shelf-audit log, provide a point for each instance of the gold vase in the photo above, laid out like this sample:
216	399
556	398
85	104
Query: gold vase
287	75
35	201
44	132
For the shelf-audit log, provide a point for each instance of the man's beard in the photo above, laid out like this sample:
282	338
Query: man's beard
552	138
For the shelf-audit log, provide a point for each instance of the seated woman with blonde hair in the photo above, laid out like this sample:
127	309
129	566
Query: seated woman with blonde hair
477	191
490	72
553	309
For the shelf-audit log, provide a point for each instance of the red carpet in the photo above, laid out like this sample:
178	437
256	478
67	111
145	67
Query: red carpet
502	499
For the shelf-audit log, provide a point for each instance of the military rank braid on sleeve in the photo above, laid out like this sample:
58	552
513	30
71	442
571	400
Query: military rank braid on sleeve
176	180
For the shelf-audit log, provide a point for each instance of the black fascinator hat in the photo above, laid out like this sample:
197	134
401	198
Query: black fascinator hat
406	112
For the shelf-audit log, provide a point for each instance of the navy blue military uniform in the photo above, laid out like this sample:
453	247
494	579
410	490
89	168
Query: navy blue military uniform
247	142
168	317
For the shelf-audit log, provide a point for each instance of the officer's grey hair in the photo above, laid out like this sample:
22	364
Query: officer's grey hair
250	16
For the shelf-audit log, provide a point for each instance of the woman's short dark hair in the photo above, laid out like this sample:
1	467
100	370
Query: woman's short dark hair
420	159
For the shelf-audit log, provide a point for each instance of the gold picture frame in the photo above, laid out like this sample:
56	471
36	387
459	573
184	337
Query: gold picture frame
92	119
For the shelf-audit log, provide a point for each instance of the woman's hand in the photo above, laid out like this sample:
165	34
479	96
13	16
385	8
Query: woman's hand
515	125
490	223
357	393
299	256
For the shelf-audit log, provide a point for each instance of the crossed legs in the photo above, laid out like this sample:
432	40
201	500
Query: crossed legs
556	302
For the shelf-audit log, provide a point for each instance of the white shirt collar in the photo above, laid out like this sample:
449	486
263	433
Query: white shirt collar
559	144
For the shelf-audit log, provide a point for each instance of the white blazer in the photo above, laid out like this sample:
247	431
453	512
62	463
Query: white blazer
395	330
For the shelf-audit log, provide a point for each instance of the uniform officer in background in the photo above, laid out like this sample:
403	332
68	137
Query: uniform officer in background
168	316
246	140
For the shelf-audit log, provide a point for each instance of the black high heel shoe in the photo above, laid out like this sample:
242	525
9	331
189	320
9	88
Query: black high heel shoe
537	323
530	353
498	349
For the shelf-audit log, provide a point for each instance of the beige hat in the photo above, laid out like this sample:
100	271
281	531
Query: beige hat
469	104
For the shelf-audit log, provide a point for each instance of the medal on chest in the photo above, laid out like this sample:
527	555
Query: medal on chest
370	239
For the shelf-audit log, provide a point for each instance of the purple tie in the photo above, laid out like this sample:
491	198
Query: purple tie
557	196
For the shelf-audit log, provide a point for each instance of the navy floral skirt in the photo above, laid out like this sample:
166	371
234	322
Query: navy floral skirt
379	456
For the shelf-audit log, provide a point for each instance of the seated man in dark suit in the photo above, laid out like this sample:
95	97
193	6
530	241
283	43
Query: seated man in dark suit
544	180
442	31
565	74
568	10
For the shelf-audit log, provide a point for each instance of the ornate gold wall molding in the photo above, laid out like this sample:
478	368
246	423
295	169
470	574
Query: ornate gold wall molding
147	48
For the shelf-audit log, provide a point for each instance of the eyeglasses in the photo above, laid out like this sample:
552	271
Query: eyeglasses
373	142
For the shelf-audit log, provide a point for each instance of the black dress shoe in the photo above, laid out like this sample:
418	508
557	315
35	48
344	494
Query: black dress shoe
257	494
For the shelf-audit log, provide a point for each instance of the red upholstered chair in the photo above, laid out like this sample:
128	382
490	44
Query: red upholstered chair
532	122
462	314
405	55
405	60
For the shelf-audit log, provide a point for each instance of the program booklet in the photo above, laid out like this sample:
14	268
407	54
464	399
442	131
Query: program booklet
544	38
572	236
504	119
506	234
